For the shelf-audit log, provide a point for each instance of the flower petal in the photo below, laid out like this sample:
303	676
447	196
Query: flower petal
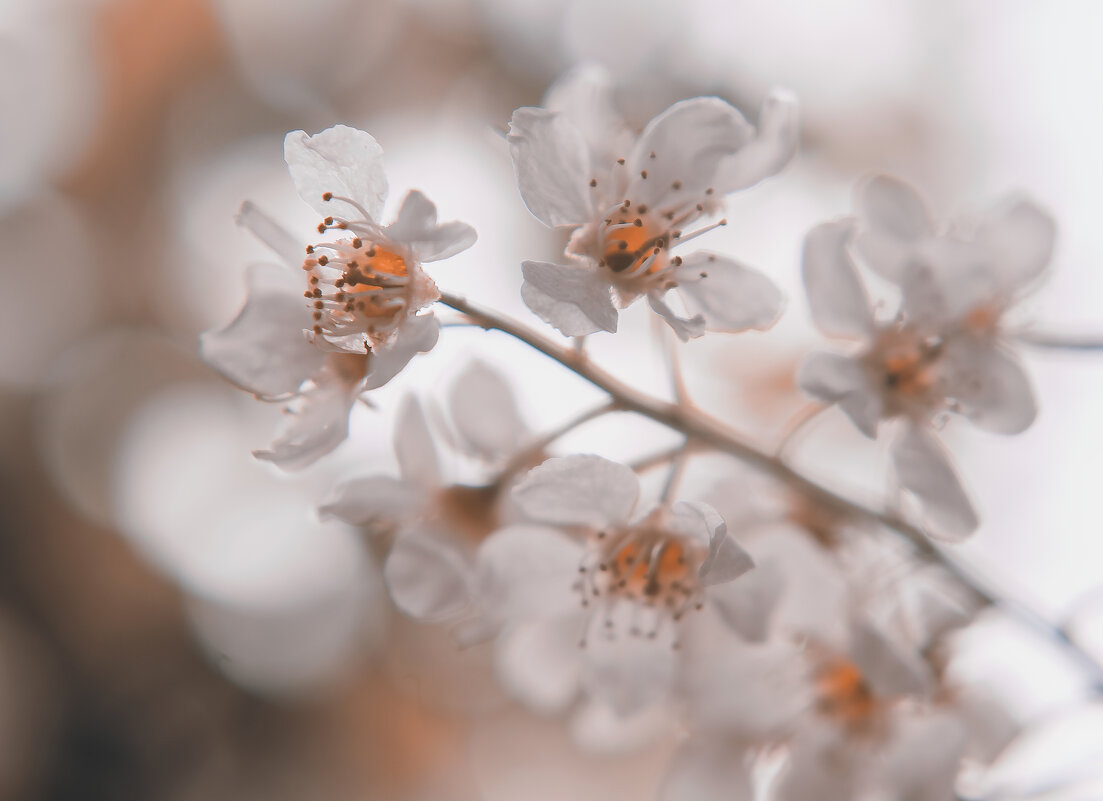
579	490
315	425
726	561
426	577
538	662
730	296
526	572
709	769
416	226
271	233
686	328
413	445
1021	236
834	378
990	386
418	334
584	96
684	146
574	299
888	669
371	498
894	220
746	605
484	412
923	468
774	144
838	298
263	349
340	160
628	673
553	166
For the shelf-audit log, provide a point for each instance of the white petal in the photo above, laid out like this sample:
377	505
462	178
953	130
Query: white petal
598	730
821	766
316	424
889	205
539	663
991	386
730	296
426	578
526	572
341	160
417	227
413	445
889	669
418	334
271	233
627	673
579	490
747	605
726	561
263	350
1020	236
709	769
923	468
922	760
773	146
685	328
834	378
553	166
838	298
574	299
689	140
484	412
365	500
584	95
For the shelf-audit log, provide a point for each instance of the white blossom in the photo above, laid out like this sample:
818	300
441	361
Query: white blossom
351	318
630	201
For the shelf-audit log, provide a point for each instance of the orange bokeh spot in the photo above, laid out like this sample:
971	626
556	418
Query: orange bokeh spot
844	694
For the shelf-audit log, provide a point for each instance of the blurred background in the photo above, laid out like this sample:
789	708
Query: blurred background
175	621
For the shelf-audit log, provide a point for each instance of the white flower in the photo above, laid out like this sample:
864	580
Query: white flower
630	201
348	321
944	350
620	591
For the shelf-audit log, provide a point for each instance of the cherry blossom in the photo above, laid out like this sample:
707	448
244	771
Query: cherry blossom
630	201
351	318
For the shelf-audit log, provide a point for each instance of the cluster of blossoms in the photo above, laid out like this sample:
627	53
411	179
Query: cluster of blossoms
764	631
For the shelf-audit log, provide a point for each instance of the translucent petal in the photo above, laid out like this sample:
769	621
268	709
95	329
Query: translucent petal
834	378
729	296
426	578
484	412
1021	236
526	572
413	445
263	349
838	299
893	220
418	334
340	160
991	386
364	500
773	145
579	490
316	425
584	95
575	300
271	233
539	664
553	166
416	226
686	328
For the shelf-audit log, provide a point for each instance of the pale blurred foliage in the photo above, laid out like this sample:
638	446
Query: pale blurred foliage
174	621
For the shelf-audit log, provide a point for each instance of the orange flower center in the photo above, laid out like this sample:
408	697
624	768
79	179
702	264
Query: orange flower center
844	696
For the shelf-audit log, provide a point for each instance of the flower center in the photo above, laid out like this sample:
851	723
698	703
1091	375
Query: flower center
648	567
844	696
908	366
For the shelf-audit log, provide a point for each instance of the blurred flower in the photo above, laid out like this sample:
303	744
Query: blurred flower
359	324
628	201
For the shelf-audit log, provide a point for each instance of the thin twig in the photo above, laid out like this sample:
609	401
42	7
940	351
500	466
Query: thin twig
698	426
1058	341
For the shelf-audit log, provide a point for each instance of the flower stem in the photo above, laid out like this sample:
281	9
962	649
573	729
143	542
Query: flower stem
704	429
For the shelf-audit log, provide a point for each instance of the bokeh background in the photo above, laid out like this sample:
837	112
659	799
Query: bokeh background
175	621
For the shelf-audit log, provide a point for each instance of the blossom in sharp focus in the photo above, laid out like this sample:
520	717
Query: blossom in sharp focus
944	350
592	594
630	201
320	331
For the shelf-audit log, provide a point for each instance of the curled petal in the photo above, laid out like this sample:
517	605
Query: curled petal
579	490
416	226
726	561
418	334
834	378
729	296
426	578
343	161
774	144
574	299
686	328
263	350
748	604
923	468
553	166
838	299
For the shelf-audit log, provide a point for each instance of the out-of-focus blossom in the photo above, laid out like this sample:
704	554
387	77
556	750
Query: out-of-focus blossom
944	350
630	200
359	324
